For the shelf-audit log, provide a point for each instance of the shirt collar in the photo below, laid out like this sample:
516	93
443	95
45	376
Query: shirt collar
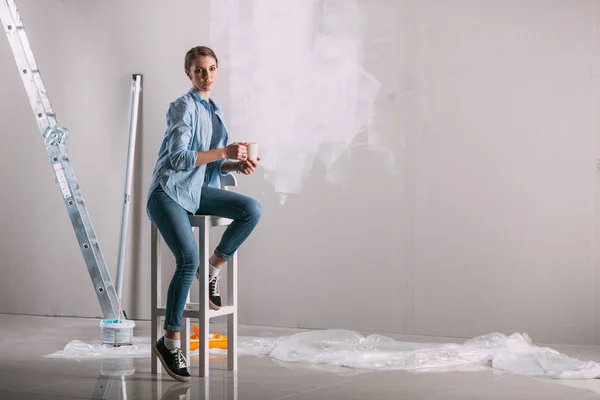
196	96
201	99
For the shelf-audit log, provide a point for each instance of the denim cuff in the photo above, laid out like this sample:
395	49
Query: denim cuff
223	256
173	328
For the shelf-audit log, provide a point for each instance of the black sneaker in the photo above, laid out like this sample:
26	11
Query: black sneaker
173	360
214	297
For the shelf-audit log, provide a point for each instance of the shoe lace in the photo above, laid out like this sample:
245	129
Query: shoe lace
214	285
179	359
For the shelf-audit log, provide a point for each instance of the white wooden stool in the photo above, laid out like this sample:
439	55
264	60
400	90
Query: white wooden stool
201	309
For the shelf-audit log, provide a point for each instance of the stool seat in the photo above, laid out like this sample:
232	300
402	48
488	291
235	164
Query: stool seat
212	220
199	310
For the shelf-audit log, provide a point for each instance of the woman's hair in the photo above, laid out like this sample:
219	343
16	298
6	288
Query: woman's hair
198	51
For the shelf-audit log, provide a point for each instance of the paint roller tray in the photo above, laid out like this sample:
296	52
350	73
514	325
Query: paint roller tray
215	340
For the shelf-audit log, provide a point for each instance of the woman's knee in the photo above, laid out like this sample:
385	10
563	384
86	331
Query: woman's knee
256	209
188	260
253	209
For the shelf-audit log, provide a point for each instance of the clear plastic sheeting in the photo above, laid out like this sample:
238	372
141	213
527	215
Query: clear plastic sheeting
343	348
253	346
515	354
80	350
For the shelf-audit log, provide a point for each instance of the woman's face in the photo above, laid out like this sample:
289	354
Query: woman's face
203	73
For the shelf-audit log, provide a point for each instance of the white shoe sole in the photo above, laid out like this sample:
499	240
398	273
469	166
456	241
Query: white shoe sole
213	306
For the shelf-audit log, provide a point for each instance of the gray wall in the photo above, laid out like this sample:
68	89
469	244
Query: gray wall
488	222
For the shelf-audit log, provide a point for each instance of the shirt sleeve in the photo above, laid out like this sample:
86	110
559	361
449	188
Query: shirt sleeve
220	166
179	132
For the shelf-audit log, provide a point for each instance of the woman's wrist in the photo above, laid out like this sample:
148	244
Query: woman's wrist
237	167
229	166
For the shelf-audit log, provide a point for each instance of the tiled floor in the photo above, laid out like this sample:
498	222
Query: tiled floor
25	374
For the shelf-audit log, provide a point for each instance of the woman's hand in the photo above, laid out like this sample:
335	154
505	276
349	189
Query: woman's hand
236	151
247	167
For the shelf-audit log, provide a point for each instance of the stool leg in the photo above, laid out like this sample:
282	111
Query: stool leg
157	389
232	319
233	394
185	333
155	295
203	316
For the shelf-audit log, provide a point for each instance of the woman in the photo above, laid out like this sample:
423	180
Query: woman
185	181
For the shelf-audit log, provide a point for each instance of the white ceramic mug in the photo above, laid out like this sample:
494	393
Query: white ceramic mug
253	150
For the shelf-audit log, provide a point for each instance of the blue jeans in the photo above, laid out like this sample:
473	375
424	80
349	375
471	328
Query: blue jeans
174	225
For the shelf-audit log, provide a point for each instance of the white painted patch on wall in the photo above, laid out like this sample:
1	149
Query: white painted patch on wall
296	83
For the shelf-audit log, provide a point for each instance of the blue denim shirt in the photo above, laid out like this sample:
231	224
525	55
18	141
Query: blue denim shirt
217	141
189	130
